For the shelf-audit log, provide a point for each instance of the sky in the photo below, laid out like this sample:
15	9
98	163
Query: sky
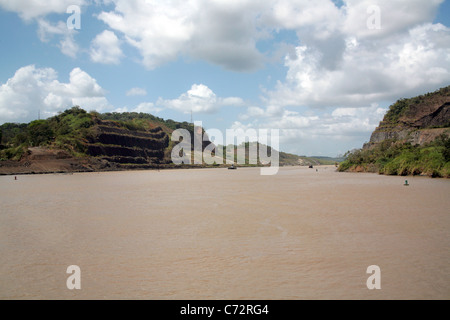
322	72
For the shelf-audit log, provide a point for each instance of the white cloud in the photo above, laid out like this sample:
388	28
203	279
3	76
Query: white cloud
37	10
83	85
251	113
336	68
339	121
342	62
31	9
321	18
32	89
158	30
226	33
395	16
370	71
145	107
221	32
136	92
46	29
67	44
69	47
310	132
105	48
199	99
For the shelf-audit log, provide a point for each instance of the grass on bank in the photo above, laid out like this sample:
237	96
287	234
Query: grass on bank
396	158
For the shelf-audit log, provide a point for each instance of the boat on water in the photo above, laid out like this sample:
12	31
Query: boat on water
233	167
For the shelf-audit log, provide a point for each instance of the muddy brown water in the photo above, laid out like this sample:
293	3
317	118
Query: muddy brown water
224	234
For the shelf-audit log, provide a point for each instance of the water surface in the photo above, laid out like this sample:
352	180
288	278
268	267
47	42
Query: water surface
224	234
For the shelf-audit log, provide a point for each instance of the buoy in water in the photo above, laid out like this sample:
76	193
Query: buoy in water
406	183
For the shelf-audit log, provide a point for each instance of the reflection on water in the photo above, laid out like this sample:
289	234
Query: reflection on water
221	234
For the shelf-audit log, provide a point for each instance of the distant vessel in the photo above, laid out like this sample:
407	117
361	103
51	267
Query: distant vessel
232	167
310	166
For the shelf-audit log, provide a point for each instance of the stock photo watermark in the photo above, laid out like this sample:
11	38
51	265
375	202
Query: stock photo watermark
246	154
374	17
374	281
373	21
74	21
74	280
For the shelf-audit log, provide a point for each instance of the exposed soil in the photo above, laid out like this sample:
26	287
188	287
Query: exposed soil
41	160
45	161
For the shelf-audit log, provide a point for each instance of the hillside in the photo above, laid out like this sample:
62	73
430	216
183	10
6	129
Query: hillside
412	139
285	159
417	120
78	141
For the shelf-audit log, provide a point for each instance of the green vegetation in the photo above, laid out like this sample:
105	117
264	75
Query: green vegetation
327	160
397	110
396	158
67	130
10	131
84	134
71	129
141	121
412	118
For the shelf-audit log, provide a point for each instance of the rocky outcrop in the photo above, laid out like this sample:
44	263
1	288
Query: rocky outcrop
120	145
413	136
417	120
76	141
434	118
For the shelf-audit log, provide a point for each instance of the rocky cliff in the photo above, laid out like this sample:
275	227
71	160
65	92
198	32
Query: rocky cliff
418	120
412	139
120	145
76	140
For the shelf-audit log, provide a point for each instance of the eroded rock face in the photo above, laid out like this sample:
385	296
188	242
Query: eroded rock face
380	136
421	120
413	136
437	118
125	146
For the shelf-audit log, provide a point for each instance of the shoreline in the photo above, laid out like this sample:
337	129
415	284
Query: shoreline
39	160
9	169
88	170
42	167
17	168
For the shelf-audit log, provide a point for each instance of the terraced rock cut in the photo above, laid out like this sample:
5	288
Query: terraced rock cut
125	146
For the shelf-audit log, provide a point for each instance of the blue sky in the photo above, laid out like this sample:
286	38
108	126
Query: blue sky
323	72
